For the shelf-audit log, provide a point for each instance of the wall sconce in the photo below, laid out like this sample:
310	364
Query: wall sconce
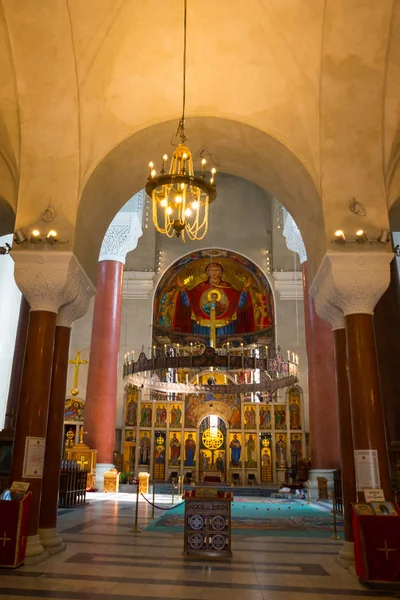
361	236
19	237
340	237
384	237
36	238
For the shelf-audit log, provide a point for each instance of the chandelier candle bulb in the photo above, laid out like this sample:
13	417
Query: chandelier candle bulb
203	167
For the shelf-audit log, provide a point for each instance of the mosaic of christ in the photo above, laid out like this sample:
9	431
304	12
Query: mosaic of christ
241	299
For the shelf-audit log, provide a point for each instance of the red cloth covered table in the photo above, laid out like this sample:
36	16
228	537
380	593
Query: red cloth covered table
377	547
14	521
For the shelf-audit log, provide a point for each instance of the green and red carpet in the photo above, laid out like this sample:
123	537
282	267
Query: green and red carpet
292	518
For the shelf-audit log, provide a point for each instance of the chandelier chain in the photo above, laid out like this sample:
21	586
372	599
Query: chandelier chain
181	126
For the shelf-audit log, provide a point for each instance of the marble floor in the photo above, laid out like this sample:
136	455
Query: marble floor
104	560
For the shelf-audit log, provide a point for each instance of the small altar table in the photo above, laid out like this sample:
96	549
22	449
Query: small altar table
207	526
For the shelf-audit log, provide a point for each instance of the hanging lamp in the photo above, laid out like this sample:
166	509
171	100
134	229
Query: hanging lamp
180	200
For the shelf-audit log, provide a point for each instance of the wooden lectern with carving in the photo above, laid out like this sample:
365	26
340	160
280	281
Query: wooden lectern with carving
85	458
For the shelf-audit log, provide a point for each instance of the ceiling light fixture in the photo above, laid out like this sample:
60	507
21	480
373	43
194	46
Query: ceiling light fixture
174	192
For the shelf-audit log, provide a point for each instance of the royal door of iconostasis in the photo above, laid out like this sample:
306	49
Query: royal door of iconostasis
212	449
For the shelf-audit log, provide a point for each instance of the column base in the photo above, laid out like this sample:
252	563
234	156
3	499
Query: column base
35	553
101	468
345	556
51	541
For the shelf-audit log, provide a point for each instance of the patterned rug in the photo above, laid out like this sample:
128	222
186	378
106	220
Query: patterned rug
270	517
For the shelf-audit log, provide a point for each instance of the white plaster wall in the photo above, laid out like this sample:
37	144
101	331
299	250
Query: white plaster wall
10	300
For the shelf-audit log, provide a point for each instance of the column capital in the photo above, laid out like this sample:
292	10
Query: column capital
48	280
352	281
294	241
121	237
328	312
74	310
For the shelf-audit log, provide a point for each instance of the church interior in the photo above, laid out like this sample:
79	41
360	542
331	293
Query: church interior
200	307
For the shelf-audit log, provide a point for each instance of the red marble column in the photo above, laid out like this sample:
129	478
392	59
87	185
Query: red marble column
387	333
17	366
54	441
345	431
101	395
322	389
33	408
365	393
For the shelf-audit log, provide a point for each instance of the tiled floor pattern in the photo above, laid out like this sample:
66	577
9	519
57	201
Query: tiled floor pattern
105	560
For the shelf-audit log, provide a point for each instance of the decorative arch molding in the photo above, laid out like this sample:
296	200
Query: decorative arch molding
242	150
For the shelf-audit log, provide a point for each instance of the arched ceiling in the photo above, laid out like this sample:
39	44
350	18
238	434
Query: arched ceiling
82	79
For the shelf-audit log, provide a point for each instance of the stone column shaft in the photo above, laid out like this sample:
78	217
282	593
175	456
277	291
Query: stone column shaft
54	441
345	432
354	282
34	401
55	423
100	408
17	366
324	442
366	401
48	280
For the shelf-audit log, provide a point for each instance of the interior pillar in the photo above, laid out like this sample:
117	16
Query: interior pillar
322	389
32	412
387	333
17	365
365	394
345	431
48	280
101	395
49	538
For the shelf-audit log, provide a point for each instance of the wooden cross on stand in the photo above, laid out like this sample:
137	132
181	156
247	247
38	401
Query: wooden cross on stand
77	362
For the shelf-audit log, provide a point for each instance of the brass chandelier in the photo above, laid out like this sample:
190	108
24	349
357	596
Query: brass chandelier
180	200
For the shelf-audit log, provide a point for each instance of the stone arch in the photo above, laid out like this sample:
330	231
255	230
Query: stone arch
241	150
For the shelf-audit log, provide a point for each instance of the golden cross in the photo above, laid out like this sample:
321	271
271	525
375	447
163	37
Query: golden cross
160	440
5	539
77	362
387	550
213	336
81	434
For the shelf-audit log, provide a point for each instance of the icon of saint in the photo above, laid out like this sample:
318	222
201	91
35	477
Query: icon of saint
236	449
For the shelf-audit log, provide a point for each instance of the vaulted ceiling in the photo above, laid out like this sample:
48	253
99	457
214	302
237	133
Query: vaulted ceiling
300	96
